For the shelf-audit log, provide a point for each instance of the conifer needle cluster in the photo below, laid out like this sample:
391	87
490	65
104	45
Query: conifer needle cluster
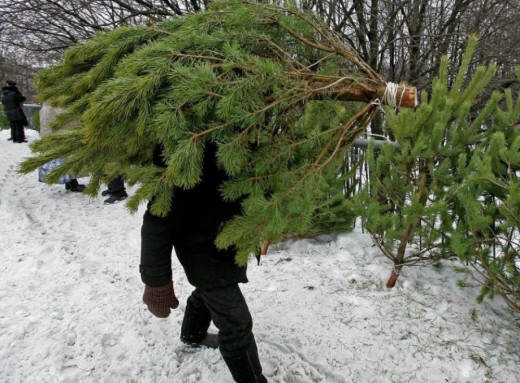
253	78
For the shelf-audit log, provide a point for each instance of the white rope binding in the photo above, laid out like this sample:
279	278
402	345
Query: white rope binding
390	96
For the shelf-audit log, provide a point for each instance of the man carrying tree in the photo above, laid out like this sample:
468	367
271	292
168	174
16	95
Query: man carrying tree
191	227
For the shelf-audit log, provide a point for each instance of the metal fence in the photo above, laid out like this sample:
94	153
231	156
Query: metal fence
29	110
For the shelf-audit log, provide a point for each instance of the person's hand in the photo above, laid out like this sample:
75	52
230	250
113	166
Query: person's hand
160	300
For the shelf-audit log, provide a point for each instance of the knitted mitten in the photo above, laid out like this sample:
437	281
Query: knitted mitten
160	300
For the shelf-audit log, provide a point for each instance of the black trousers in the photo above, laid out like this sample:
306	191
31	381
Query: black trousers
116	186
17	131
228	309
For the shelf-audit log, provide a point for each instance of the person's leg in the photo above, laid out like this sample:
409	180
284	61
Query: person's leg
16	127
20	132
237	345
245	365
117	190
197	319
22	129
117	185
74	186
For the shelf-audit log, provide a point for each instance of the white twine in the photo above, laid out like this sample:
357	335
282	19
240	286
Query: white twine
390	96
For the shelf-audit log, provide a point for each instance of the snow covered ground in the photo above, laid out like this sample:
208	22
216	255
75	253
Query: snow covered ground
71	310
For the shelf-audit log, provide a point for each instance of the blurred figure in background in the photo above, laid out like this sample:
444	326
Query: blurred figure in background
13	100
48	114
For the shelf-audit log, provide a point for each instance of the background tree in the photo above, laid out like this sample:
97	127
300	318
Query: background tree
35	33
53	25
410	204
488	237
403	40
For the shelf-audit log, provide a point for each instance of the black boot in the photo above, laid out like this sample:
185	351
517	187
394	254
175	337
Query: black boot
74	186
116	190
116	197
245	366
210	341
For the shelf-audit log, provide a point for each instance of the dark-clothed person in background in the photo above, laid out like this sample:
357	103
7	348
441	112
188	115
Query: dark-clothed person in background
13	100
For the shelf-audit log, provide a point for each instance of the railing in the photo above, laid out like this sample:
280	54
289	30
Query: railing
29	110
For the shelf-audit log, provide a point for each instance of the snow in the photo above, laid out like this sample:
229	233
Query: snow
71	309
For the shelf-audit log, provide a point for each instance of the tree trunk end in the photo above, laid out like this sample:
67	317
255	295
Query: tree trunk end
266	247
400	95
406	96
393	278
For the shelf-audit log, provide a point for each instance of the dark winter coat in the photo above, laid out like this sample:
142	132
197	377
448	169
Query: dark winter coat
12	100
196	217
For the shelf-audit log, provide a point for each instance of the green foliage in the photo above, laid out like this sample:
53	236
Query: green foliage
491	201
414	205
246	76
452	188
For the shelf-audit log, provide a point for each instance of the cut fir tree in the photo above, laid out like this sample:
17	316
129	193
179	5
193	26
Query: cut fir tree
243	75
